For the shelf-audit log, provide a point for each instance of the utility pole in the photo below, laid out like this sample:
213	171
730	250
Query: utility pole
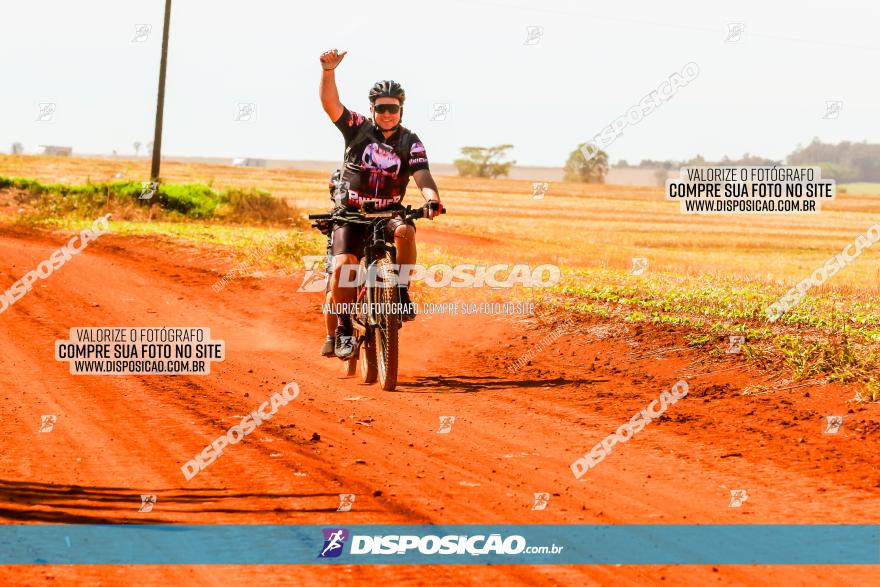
160	101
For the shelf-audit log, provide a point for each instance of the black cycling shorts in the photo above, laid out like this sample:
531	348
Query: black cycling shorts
350	238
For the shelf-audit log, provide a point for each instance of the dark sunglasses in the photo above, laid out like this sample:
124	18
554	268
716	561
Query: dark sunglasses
386	108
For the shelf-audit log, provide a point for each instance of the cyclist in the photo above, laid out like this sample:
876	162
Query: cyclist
380	156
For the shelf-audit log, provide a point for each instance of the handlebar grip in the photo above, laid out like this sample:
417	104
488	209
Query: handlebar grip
436	206
420	213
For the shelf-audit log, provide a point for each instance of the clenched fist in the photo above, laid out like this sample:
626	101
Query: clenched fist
330	59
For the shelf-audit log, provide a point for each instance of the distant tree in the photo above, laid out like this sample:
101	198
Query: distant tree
847	161
749	159
149	147
661	175
484	161
17	148
137	147
622	163
839	172
579	168
662	164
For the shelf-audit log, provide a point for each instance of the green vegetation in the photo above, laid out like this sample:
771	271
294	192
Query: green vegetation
715	298
188	212
826	336
870	392
845	161
171	201
697	339
836	360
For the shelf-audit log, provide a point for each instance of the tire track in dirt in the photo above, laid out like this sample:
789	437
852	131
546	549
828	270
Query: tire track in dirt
514	434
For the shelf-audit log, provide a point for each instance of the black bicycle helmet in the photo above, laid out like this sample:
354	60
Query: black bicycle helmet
387	89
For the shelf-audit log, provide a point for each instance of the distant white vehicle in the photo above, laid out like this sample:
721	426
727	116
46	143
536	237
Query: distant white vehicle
55	150
248	162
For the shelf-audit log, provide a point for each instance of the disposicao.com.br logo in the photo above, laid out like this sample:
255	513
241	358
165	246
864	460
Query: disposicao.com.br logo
334	542
462	275
450	544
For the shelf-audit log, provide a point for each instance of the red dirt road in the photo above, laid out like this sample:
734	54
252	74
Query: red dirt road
514	433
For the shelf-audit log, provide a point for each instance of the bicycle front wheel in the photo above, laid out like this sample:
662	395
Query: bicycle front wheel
386	343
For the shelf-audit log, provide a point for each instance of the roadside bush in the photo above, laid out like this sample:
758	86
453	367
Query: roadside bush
192	200
256	205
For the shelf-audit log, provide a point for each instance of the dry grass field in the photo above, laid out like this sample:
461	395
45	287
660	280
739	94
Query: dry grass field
707	275
585	225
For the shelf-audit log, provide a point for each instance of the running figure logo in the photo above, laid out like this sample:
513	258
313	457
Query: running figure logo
148	500
45	112
148	190
735	32
439	111
734	344
541	500
833	424
334	542
832	109
539	188
245	112
533	34
737	498
142	32
639	265
446	423
47	422
346	500
316	276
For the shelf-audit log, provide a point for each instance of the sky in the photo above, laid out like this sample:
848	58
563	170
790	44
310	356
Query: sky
763	85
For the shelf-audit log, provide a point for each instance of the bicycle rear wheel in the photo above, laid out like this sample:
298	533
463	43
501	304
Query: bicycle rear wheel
388	322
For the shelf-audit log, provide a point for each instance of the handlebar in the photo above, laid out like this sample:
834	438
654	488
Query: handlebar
409	213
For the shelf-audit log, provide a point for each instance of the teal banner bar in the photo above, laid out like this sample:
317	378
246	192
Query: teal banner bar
468	544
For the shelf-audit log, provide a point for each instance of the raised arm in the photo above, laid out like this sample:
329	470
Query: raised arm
329	94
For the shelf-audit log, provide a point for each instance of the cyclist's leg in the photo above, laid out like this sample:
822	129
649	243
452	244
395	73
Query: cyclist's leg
342	264
348	239
405	243
330	321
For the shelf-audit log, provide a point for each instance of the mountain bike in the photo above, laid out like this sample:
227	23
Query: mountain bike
378	318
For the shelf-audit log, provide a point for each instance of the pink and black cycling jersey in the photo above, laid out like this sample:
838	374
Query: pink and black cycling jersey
377	168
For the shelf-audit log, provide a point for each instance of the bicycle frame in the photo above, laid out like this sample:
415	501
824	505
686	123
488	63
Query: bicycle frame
378	317
375	247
